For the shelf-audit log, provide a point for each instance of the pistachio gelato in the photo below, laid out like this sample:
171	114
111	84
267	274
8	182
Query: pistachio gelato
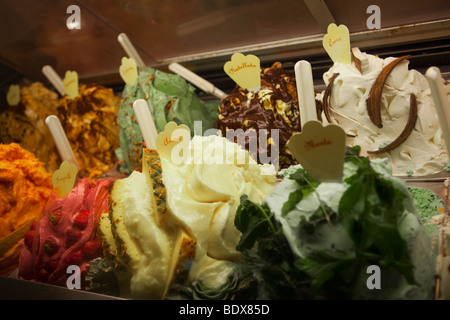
170	98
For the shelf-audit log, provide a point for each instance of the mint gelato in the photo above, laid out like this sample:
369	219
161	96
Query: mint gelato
170	98
311	240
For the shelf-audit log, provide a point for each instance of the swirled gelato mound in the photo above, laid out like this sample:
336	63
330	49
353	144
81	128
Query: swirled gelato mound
25	124
388	110
359	238
25	186
172	225
170	98
65	235
91	125
274	106
203	197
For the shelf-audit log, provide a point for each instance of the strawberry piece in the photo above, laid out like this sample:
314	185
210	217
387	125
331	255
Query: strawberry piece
81	220
33	225
28	240
75	258
43	275
50	246
72	236
51	265
55	217
92	250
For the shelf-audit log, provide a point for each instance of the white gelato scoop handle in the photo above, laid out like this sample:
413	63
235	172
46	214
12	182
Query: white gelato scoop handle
61	141
146	123
130	50
54	79
195	79
305	91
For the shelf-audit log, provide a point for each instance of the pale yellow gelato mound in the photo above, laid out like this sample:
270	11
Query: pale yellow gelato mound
174	223
203	195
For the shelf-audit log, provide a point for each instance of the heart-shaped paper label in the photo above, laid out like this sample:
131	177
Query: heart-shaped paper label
70	84
128	71
337	43
173	143
13	95
63	179
320	150
244	70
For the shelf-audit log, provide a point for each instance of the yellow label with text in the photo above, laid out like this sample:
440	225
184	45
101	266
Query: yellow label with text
244	70
320	150
173	143
128	71
13	95
337	43
63	179
70	84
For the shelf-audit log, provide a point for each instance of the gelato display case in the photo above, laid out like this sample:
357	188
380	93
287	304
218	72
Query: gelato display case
202	35
86	179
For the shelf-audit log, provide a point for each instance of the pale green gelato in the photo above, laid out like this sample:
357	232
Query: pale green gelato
428	204
322	238
170	98
304	244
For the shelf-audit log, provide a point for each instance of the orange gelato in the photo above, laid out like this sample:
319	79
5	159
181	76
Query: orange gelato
25	123
25	186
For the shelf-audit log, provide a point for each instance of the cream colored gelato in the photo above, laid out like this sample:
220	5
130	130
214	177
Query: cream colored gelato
203	196
174	223
151	257
424	151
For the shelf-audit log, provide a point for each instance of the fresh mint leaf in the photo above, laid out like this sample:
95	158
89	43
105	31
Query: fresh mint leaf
371	207
253	221
327	266
368	215
294	198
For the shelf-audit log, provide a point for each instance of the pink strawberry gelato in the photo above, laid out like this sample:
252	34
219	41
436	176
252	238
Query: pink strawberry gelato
65	234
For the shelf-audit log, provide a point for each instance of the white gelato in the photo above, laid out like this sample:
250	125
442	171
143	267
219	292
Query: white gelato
424	151
203	196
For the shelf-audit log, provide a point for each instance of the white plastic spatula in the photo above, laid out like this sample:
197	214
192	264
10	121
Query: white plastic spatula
54	79
305	91
130	50
196	80
439	95
319	149
146	123
61	141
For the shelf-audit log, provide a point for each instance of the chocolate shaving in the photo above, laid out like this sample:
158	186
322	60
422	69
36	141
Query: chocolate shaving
325	101
406	131
326	97
357	62
374	101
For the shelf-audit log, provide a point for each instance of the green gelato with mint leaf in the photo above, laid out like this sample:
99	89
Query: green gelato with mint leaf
170	98
428	204
311	240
